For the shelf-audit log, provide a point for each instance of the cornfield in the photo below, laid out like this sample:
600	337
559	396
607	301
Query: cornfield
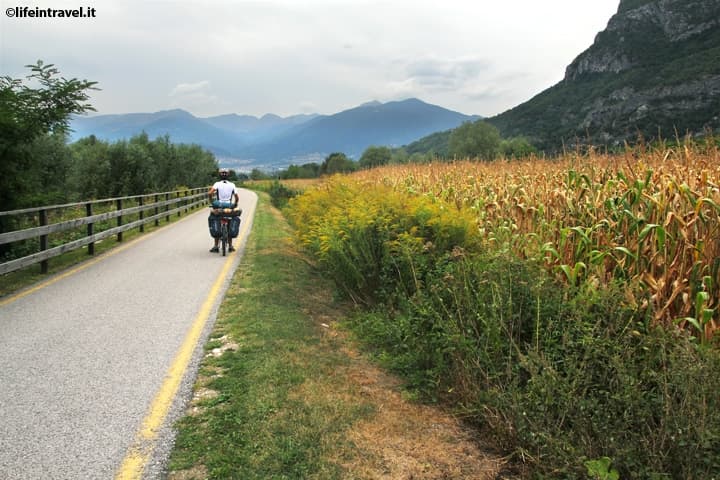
648	217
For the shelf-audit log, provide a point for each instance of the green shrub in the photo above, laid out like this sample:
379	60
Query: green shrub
601	385
558	377
280	194
460	332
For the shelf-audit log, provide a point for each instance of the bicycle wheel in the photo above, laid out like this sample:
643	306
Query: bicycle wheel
224	230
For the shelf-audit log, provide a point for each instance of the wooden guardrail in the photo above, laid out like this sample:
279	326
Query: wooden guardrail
128	213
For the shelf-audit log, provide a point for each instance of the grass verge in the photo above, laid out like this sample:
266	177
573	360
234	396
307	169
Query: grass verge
282	393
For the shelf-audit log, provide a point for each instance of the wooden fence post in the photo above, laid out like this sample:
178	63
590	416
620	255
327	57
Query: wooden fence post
167	207
43	240
141	202
119	219
90	229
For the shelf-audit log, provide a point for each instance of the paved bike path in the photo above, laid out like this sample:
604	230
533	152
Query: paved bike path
82	359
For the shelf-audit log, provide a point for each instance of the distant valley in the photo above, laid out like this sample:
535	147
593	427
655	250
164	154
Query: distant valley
245	141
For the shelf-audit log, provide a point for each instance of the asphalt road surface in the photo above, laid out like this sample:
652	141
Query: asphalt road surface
85	357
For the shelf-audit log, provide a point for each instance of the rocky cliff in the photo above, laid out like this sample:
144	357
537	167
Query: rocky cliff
623	44
655	71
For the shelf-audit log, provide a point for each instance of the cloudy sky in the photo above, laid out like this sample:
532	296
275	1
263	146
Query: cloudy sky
286	57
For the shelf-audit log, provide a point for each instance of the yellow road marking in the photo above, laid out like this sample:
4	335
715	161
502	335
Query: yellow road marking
141	450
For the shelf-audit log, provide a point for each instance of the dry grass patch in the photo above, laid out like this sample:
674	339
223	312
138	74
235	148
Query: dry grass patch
403	439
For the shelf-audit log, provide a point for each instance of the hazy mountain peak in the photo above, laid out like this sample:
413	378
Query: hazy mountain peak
270	117
272	138
372	103
175	112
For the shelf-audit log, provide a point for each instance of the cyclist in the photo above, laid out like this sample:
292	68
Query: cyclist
224	191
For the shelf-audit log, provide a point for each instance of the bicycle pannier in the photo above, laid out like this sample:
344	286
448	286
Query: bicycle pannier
214	225
234	226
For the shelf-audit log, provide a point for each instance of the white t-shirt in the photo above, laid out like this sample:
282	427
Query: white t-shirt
225	190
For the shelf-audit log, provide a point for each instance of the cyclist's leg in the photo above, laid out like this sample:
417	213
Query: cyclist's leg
230	240
216	242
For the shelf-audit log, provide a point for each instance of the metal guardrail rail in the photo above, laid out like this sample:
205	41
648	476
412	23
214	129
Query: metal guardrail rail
160	205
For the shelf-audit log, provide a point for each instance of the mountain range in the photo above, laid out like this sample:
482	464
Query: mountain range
272	140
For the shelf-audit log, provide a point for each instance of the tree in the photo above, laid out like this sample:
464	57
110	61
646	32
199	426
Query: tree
257	174
26	114
374	157
136	166
517	147
337	163
90	171
197	165
399	156
476	139
418	157
307	170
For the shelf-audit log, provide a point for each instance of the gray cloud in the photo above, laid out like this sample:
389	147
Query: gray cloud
193	96
285	57
435	74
